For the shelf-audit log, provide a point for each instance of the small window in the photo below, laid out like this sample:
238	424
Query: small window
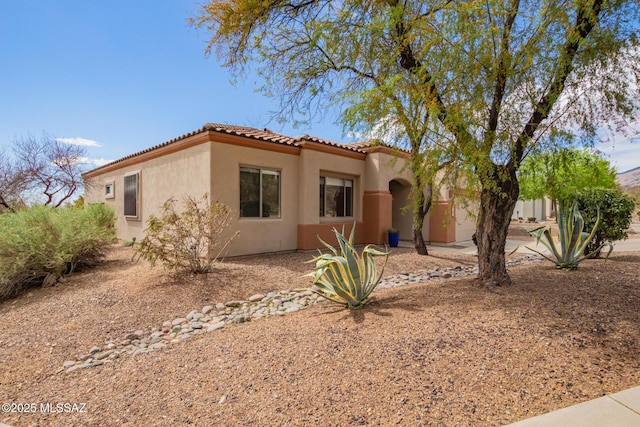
259	193
131	195
109	190
336	197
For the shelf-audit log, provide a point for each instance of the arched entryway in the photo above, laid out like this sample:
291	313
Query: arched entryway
401	210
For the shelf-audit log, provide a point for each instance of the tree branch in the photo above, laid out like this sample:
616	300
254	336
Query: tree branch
586	20
501	76
410	62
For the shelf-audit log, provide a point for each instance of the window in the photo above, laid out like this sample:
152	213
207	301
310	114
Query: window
259	193
336	197
131	195
109	190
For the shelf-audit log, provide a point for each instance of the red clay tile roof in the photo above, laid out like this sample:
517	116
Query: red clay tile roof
349	147
365	144
374	143
247	132
261	134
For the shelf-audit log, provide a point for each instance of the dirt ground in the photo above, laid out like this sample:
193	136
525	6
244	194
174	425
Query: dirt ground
443	353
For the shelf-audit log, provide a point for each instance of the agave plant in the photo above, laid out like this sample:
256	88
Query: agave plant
573	240
344	276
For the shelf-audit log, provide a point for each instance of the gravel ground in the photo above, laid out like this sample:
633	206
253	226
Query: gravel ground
443	353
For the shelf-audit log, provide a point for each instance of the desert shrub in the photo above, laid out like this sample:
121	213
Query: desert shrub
345	277
615	210
41	244
573	240
188	241
86	232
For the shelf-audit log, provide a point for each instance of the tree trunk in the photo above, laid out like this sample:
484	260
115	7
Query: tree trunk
497	201
420	211
6	205
418	239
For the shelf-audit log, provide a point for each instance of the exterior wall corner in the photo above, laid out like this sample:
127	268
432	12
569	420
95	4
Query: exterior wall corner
442	222
376	215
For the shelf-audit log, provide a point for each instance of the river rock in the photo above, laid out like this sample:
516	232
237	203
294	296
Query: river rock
214	326
256	298
178	321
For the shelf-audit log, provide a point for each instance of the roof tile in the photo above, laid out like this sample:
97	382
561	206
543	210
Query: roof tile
247	132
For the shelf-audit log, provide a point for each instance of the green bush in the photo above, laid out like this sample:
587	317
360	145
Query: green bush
615	209
345	277
188	241
573	240
41	244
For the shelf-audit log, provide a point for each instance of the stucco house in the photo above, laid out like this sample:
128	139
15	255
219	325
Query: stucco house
530	210
285	191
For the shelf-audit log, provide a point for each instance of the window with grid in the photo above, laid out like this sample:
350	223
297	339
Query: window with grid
131	195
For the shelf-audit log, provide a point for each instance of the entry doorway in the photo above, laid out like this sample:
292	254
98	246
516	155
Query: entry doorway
401	209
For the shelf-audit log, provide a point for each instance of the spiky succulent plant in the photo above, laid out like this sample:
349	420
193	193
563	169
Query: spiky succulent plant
345	277
573	240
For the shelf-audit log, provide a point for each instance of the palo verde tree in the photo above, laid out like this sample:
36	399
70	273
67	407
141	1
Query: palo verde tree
397	113
493	76
308	62
560	173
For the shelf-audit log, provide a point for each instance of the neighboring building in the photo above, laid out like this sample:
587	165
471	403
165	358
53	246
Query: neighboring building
286	191
539	209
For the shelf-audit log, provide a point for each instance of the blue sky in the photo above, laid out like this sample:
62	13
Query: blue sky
125	74
122	76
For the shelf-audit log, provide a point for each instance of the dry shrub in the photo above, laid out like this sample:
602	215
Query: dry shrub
188	241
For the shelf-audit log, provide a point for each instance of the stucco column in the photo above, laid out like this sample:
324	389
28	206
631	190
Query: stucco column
442	223
376	216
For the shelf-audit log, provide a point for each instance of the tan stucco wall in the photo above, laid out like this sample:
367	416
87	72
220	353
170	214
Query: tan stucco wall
465	222
210	163
177	174
315	163
451	223
308	234
257	235
381	168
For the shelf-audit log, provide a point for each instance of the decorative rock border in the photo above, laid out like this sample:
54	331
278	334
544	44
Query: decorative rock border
256	307
209	318
446	273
